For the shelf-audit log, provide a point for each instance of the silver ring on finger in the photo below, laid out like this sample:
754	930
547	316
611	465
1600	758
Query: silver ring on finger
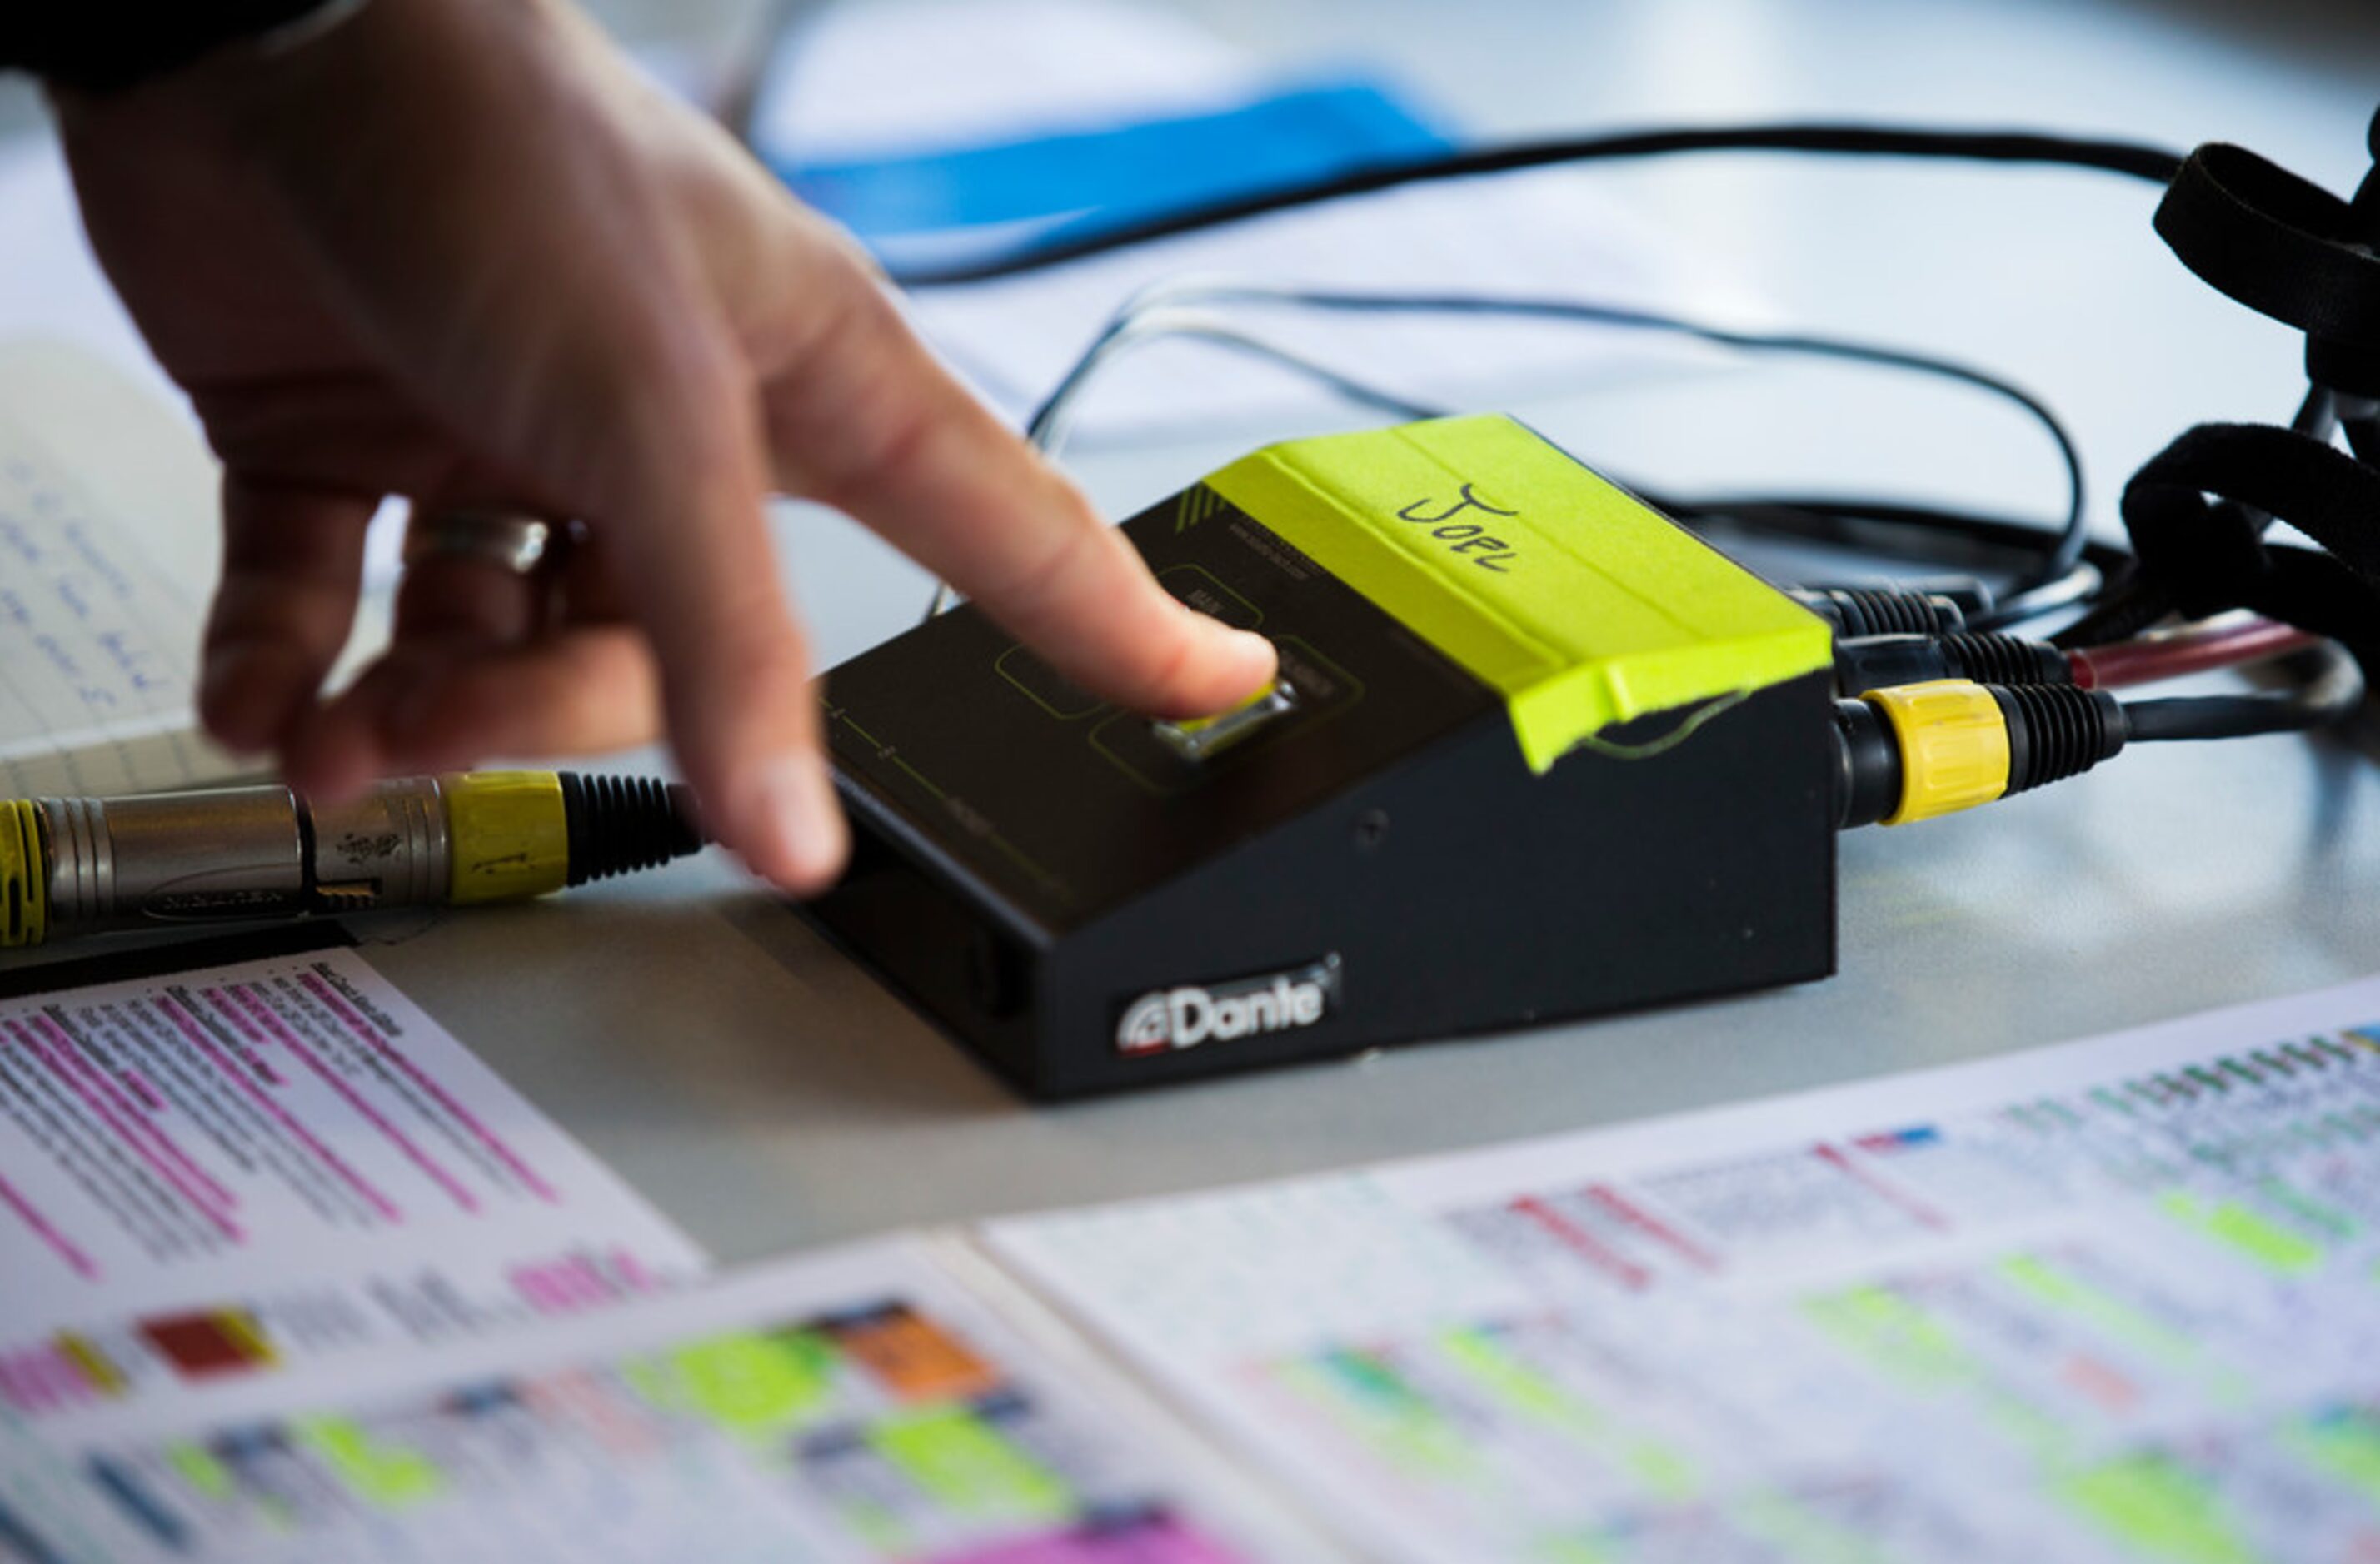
507	540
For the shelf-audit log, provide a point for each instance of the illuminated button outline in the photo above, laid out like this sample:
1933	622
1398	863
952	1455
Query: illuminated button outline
1201	738
1297	652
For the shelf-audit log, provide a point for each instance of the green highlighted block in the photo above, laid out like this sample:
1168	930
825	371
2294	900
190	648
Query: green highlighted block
747	1383
2156	1508
200	1469
374	1471
2273	1247
966	1464
1896	1334
1514	1385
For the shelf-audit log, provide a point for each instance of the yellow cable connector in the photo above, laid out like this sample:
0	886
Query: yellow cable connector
509	832
24	876
1954	746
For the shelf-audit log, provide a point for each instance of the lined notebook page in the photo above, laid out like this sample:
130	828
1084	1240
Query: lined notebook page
107	554
109	550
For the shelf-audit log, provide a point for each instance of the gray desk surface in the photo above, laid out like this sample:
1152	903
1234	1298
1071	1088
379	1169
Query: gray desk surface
767	1095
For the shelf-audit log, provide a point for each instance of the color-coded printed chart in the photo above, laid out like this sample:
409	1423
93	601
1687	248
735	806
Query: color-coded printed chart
856	1406
227	1173
2119	1301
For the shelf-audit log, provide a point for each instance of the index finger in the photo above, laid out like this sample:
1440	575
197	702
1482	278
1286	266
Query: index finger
867	421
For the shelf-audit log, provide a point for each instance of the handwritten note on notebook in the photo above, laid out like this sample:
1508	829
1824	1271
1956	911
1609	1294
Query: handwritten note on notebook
97	644
107	557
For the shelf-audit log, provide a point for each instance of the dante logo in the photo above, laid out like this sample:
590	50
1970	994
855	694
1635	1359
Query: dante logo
1165	1019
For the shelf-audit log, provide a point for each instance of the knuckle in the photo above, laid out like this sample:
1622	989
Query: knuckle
1038	587
861	409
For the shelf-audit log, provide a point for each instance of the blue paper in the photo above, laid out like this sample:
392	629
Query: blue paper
1117	173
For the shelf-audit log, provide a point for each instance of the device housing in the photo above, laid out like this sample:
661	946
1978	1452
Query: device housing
1541	754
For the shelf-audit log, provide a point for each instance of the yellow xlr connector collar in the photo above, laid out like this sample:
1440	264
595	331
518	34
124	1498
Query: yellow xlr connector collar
24	876
1954	746
509	835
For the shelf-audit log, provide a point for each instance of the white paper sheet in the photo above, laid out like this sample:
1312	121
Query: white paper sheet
918	74
1538	236
854	1405
51	288
850	82
235	1174
2111	1301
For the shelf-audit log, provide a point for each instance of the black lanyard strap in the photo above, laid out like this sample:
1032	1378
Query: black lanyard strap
2197	514
2288	249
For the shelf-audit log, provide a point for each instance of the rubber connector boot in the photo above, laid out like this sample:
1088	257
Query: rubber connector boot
2056	732
618	825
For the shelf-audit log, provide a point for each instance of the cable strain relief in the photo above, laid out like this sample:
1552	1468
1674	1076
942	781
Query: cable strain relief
1991	657
1883	611
2057	730
618	825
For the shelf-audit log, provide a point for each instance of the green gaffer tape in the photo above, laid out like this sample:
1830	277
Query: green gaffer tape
1583	606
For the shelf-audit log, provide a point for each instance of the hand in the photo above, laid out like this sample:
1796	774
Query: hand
456	251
